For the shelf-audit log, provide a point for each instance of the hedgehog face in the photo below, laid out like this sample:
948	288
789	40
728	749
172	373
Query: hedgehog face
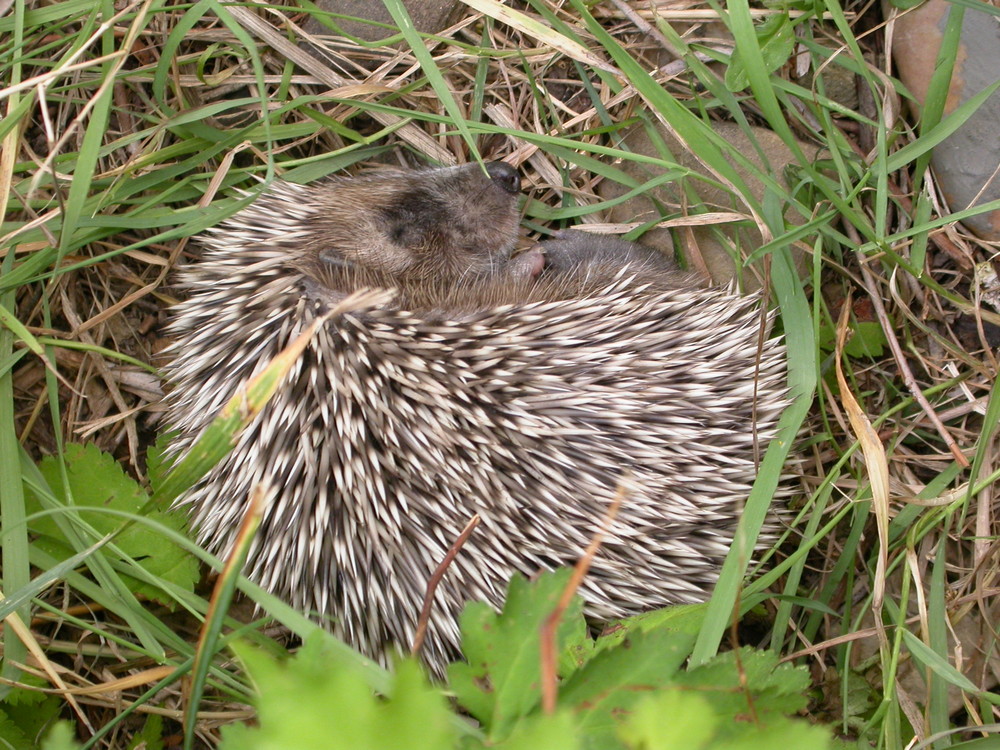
441	224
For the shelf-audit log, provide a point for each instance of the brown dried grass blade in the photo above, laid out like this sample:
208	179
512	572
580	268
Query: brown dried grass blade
876	464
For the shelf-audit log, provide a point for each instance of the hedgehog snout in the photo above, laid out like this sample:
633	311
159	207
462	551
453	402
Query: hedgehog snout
505	176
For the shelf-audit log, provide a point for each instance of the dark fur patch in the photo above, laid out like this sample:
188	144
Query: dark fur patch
416	215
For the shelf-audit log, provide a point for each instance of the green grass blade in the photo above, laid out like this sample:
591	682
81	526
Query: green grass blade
941	131
802	380
430	69
14	555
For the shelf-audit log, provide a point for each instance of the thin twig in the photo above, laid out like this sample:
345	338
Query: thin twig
547	636
435	579
904	368
646	27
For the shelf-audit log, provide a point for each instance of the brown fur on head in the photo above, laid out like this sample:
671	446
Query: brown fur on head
403	228
443	237
440	237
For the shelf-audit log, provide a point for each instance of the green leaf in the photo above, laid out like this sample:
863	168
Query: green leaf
646	659
776	37
150	737
500	682
27	713
929	658
61	738
611	683
778	732
679	618
157	463
96	480
417	716
11	735
867	339
558	732
736	677
23	697
318	700
710	707
671	720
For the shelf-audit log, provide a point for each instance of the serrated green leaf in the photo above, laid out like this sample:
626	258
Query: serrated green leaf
867	339
464	679
11	736
317	699
30	711
730	683
778	732
556	732
96	480
689	718
150	737
646	659
25	697
416	716
680	618
860	698
157	463
61	737
500	682
609	685
671	720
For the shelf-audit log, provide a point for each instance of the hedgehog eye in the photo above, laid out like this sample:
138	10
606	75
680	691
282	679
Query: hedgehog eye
407	235
398	235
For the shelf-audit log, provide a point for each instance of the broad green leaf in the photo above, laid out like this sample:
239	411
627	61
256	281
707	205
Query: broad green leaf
500	681
317	701
96	480
776	37
671	720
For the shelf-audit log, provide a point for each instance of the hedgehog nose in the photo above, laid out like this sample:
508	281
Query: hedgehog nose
505	176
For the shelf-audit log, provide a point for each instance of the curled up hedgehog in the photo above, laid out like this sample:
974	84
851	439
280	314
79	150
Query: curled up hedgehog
517	389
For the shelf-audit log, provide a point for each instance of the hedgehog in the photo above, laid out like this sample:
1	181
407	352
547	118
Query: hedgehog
517	388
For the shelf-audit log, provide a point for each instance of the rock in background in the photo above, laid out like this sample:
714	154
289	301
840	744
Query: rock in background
428	16
966	164
711	249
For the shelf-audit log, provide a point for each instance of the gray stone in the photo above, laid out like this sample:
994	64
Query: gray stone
429	17
714	247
